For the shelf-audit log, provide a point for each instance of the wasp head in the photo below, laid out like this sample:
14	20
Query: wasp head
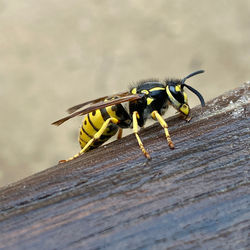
178	98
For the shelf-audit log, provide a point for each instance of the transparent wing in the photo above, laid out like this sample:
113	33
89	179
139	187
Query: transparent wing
99	105
74	108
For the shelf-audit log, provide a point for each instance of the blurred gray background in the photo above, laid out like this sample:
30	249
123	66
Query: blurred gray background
58	53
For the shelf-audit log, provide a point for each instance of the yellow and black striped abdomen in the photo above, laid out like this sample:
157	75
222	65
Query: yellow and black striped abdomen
91	125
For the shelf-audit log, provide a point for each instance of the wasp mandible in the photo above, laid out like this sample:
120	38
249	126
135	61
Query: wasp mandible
108	115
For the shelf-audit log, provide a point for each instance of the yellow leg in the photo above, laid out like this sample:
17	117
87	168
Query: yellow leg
96	137
119	135
155	115
135	128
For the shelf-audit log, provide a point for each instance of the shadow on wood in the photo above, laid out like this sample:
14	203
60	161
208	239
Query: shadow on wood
196	196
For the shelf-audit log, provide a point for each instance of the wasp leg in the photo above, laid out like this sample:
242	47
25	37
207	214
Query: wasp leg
188	119
185	118
135	128
155	115
96	137
119	135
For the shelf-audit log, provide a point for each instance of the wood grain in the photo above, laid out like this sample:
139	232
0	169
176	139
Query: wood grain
196	196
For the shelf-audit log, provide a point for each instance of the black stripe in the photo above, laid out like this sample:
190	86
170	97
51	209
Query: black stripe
92	147
84	131
81	140
104	114
93	126
105	137
119	110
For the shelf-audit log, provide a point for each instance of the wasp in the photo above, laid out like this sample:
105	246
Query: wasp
106	116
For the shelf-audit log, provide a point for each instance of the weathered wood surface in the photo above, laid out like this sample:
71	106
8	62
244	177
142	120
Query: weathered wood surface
196	196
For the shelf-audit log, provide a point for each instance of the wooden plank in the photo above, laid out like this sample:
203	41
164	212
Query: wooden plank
196	196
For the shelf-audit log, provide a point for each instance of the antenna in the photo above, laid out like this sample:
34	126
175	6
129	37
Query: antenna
192	89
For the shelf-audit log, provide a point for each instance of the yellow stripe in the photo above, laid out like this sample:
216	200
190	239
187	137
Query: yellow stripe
82	143
97	119
172	99
144	91
149	100
88	127
133	91
185	97
156	88
178	88
84	136
111	112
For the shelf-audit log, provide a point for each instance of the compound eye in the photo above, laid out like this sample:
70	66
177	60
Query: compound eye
177	94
